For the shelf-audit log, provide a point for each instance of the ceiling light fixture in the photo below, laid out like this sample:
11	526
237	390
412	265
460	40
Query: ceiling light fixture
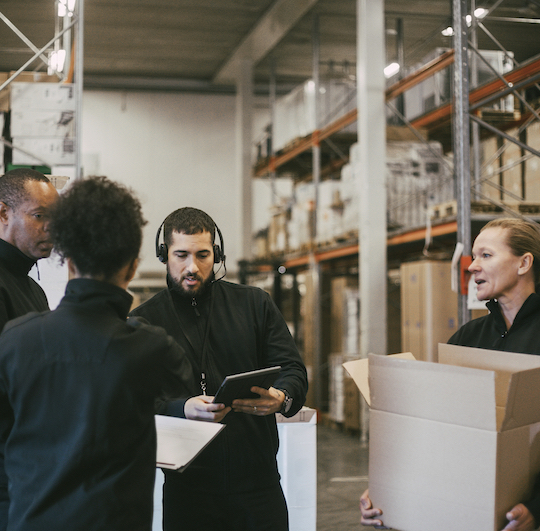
479	14
391	70
57	61
66	7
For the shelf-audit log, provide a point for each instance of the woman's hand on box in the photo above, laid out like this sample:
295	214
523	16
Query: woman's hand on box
520	518
369	513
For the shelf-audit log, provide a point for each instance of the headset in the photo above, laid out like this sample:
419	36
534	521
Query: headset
162	250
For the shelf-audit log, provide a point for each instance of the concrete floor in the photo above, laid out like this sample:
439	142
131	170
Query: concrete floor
342	467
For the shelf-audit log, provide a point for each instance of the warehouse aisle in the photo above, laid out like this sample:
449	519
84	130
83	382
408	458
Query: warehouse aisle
342	467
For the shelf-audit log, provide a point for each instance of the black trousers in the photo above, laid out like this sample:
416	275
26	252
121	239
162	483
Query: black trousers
186	509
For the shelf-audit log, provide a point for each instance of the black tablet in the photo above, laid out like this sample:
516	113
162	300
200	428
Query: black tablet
239	385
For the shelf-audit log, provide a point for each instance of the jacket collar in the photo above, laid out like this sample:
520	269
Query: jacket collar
98	293
530	306
14	260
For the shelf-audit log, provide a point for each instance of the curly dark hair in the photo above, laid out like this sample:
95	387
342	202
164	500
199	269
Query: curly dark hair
97	224
188	220
13	190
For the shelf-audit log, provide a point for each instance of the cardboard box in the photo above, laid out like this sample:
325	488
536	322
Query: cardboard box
42	123
428	307
42	96
49	151
491	162
27	77
512	177
455	444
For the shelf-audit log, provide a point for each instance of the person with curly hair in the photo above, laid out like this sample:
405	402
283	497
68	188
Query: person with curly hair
79	385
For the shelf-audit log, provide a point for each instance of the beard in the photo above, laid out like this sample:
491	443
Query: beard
176	285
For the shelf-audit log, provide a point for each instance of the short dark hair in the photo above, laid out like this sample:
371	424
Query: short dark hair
12	185
189	221
98	224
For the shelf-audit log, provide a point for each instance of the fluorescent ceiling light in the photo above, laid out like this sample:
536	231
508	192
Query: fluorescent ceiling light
391	70
57	61
479	14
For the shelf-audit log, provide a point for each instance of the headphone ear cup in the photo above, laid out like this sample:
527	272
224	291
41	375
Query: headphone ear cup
163	253
217	254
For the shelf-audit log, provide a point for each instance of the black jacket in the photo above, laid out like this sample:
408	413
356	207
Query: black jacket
19	294
490	332
246	332
77	393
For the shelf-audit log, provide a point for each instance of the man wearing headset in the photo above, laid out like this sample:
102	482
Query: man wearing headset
226	329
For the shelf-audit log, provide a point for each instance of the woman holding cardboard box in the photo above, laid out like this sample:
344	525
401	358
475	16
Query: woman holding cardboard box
506	269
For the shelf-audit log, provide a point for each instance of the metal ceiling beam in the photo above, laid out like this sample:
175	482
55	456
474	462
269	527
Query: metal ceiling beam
280	18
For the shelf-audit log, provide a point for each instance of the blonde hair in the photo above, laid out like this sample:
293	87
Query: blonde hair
522	237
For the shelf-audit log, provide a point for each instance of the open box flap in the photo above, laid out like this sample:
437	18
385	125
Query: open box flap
523	404
359	371
444	393
517	380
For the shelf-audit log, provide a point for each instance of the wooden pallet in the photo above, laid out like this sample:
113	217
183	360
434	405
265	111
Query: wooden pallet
449	209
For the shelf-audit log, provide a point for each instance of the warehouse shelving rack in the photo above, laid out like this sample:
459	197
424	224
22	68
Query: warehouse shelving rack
64	26
444	124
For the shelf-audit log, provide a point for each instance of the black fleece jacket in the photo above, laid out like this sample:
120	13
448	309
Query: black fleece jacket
19	294
78	387
244	331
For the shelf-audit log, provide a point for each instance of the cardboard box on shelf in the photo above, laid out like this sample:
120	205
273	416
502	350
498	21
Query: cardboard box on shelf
532	165
336	388
31	123
491	162
42	96
463	432
49	151
512	175
428	307
29	77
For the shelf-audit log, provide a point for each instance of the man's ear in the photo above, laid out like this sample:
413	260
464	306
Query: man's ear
130	273
5	212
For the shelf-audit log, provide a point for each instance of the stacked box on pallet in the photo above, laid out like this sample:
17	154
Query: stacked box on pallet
329	212
491	171
532	165
344	338
43	123
336	389
512	163
509	173
301	220
428	307
417	178
295	112
350	200
278	240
